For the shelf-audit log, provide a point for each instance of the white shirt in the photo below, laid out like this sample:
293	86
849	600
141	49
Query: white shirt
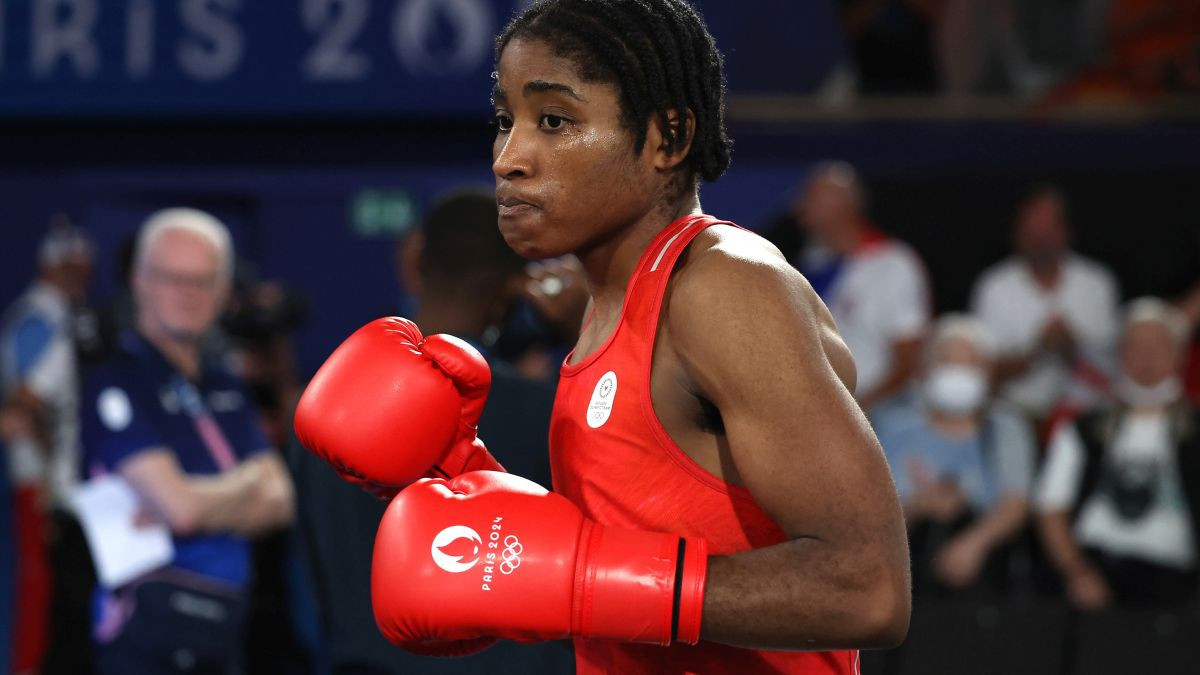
880	296
37	350
1143	451
1015	309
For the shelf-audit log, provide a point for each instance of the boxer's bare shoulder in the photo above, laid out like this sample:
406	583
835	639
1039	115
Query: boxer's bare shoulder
752	268
753	339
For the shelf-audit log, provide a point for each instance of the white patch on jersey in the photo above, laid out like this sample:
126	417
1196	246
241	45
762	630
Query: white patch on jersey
601	404
115	410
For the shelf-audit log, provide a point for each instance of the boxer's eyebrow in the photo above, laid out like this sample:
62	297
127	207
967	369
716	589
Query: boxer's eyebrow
498	94
541	86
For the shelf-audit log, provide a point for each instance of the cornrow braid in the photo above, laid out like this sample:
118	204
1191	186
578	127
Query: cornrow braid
660	55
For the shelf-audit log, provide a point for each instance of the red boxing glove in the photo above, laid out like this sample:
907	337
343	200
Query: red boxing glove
466	367
384	410
494	555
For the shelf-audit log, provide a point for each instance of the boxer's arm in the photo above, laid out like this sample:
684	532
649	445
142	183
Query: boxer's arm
756	341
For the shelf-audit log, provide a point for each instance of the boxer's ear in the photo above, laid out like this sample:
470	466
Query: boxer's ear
671	142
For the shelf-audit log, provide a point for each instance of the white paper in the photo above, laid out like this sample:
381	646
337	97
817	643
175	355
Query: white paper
122	551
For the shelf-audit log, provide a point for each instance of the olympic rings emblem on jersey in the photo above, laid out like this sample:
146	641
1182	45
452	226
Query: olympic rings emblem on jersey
511	555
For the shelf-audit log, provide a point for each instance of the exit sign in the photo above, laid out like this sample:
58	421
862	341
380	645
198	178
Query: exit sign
383	213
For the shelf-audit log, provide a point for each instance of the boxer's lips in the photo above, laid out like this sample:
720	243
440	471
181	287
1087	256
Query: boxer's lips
510	205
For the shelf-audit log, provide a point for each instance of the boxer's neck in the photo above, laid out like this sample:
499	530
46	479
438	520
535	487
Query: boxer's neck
609	265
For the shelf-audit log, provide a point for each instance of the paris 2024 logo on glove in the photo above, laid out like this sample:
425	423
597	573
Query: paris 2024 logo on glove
457	549
453	546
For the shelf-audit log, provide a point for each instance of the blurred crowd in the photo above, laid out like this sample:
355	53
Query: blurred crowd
1056	53
1044	444
1041	441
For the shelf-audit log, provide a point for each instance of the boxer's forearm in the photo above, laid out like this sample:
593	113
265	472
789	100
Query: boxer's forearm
806	594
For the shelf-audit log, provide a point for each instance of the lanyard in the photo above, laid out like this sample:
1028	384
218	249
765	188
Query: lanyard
206	425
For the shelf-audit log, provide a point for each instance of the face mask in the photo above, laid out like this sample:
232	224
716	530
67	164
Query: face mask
1166	391
955	390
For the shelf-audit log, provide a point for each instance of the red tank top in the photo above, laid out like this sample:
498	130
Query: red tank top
610	455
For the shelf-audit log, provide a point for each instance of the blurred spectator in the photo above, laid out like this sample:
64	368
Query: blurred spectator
785	228
118	314
874	285
977	46
466	280
40	381
545	323
533	331
259	323
963	464
891	44
256	331
1052	312
8	554
1054	40
1149	48
1119	495
182	431
1189	305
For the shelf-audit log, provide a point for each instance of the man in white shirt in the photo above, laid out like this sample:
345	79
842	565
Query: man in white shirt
1052	312
875	286
1119	496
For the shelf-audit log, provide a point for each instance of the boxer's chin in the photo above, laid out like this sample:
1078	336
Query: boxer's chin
531	238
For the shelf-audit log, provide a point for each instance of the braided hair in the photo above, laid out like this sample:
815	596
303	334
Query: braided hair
660	55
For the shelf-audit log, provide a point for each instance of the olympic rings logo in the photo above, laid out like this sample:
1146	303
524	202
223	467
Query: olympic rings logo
511	555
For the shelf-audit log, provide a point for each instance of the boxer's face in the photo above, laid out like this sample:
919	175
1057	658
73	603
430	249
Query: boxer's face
566	174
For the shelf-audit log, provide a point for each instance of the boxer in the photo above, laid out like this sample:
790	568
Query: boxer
720	502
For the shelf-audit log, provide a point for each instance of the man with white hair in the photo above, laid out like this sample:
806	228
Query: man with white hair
1118	499
39	383
874	285
180	429
963	464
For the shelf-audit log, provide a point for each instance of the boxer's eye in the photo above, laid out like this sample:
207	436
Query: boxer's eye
502	122
553	122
